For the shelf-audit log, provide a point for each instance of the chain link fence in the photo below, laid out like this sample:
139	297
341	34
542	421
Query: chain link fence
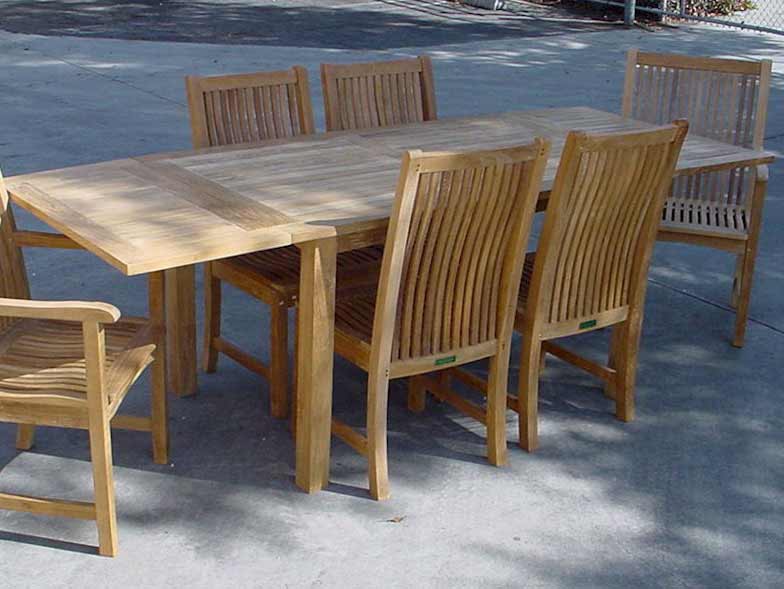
762	15
756	15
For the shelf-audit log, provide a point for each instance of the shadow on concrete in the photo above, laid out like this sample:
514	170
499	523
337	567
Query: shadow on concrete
368	25
693	486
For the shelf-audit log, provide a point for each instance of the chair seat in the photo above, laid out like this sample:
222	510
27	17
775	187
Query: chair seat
42	361
277	271
355	312
682	215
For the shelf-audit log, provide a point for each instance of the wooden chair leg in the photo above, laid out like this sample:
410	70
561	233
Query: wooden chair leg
160	429
378	470
528	393
609	387
99	429
497	387
294	387
279	360
103	481
417	397
25	436
736	281
627	353
212	318
744	295
750	257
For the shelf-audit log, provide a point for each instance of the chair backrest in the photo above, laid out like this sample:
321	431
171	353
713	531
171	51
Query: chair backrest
378	94
13	276
246	108
600	226
453	256
724	99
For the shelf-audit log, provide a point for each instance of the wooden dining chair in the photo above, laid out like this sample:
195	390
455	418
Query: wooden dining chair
591	264
448	285
590	268
71	364
378	94
726	100
243	109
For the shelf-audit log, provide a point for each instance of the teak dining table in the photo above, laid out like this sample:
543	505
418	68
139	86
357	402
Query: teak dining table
325	193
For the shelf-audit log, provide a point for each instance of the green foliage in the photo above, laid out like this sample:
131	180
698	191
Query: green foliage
707	7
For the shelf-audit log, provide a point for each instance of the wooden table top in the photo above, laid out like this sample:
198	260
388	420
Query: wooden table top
163	211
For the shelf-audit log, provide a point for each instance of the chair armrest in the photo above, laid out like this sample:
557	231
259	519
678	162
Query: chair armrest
59	310
762	173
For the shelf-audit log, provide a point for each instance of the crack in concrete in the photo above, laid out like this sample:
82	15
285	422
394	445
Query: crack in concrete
714	304
96	73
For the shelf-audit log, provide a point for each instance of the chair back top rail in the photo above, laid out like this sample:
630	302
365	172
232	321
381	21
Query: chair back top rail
600	225
378	94
249	108
724	99
454	250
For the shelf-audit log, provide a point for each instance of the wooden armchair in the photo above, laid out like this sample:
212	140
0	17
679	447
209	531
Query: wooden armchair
378	94
241	109
726	100
448	285
71	364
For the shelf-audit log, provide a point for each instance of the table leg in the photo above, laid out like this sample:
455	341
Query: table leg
159	406
181	330
316	323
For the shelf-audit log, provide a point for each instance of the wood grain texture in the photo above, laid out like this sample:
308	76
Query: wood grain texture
51	507
180	293
248	108
334	184
448	286
330	186
236	110
70	364
591	265
726	100
378	94
315	330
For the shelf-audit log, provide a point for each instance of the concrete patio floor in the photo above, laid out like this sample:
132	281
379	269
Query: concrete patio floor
691	494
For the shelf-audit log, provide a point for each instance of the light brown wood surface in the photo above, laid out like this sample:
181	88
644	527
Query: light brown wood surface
591	265
240	109
71	364
378	94
166	211
448	285
234	110
243	108
727	100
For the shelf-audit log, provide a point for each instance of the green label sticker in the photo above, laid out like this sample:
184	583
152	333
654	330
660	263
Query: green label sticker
445	360
587	324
